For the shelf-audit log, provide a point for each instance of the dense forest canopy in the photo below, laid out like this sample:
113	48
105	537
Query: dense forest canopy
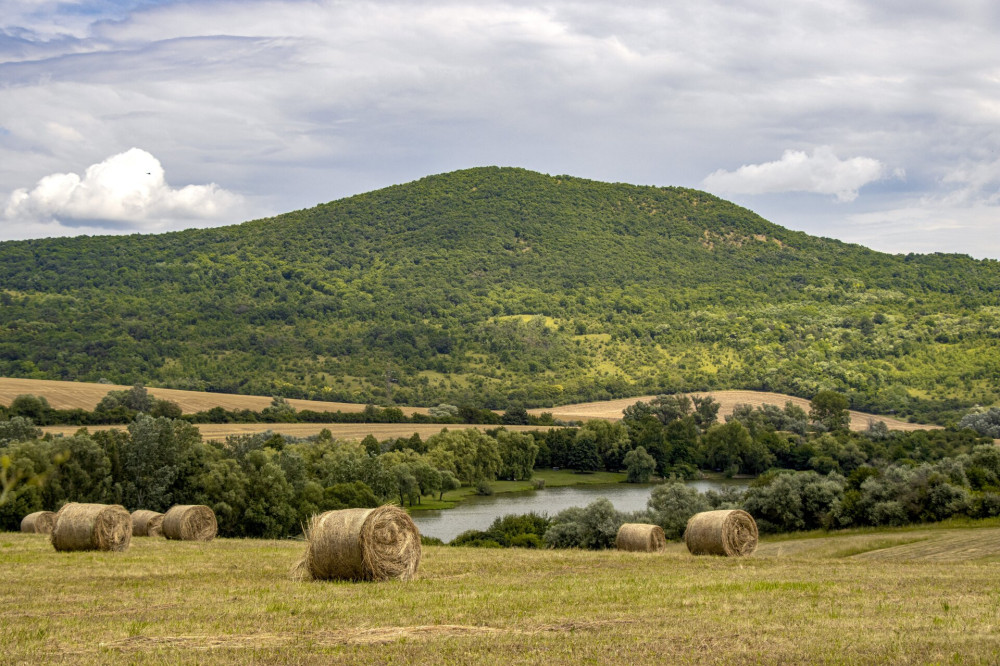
500	286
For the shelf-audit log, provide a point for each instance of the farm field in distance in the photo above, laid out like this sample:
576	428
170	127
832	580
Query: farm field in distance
921	594
347	431
86	395
69	395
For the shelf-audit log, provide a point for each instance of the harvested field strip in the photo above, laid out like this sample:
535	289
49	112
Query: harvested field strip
347	431
84	395
943	545
942	548
613	409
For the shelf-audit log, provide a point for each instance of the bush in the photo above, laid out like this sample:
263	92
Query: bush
510	531
787	502
474	539
527	541
639	465
593	527
672	504
984	422
18	429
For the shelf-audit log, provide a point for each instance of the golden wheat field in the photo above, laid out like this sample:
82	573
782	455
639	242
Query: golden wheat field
896	596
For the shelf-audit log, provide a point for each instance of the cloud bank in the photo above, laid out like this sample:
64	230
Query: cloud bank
127	191
289	103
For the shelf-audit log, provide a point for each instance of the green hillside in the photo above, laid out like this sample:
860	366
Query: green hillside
491	285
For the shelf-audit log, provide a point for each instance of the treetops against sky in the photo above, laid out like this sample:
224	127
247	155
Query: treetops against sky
876	123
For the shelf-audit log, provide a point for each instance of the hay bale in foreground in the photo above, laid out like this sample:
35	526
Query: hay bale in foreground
640	537
147	523
190	522
729	532
92	527
360	544
39	522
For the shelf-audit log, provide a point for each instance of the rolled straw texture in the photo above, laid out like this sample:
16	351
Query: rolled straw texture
39	522
92	527
640	537
190	522
361	544
147	523
729	532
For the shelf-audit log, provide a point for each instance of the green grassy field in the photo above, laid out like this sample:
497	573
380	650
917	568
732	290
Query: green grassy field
895	596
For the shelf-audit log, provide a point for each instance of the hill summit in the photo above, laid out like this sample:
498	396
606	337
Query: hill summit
491	286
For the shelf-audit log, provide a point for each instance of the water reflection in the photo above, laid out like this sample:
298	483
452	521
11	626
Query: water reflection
477	513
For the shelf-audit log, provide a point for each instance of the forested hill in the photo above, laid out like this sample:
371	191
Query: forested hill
491	285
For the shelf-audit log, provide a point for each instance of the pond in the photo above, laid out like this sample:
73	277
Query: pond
477	513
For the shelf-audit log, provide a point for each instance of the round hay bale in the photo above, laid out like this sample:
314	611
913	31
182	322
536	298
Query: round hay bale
147	523
190	522
92	527
642	538
39	522
361	544
729	532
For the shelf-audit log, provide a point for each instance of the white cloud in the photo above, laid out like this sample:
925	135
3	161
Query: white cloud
127	191
821	173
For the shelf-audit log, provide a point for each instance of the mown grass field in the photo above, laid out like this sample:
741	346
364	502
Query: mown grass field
894	596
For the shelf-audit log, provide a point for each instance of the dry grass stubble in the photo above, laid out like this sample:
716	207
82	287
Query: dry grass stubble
179	602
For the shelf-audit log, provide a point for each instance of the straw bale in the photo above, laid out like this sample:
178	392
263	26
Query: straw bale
190	522
92	527
729	532
640	537
361	544
39	522
147	523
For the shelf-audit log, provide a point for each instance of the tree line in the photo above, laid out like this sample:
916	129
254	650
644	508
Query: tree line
262	485
267	485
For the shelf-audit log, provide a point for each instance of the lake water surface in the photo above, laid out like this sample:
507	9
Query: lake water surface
477	513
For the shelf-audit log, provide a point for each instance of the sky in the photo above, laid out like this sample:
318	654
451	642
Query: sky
870	122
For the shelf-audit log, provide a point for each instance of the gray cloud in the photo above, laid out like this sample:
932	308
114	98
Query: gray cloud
292	103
